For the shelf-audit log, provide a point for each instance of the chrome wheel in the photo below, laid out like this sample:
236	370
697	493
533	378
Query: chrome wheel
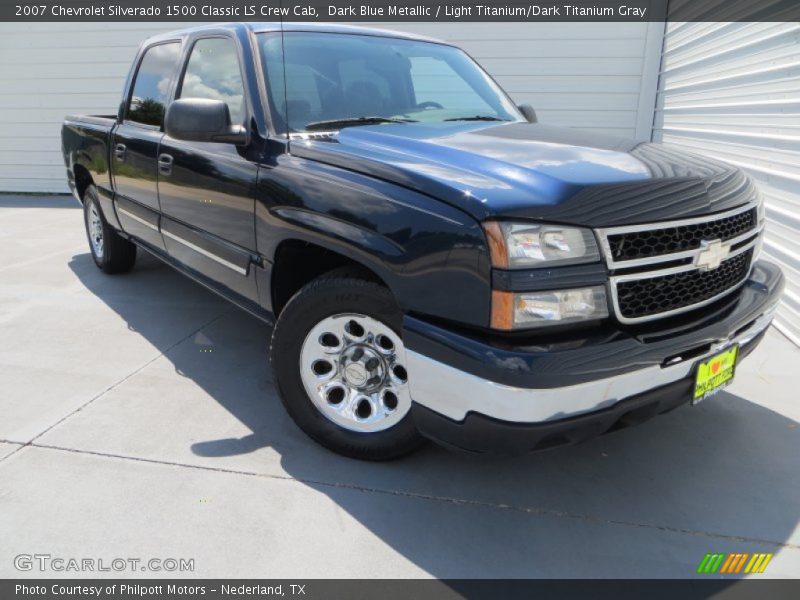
353	369
94	225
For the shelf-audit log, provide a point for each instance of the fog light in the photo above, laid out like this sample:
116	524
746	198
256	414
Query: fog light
536	309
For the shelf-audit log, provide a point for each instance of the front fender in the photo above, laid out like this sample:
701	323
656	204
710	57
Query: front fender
432	256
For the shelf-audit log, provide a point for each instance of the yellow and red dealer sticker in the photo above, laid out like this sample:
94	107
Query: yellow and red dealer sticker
714	374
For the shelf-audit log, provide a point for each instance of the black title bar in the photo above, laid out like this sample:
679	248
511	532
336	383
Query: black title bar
399	10
398	589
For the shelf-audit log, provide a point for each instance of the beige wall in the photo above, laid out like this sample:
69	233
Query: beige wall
596	76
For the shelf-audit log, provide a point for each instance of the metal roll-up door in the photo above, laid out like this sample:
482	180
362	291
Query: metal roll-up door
732	91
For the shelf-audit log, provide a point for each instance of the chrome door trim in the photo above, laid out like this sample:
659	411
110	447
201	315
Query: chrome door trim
204	252
137	218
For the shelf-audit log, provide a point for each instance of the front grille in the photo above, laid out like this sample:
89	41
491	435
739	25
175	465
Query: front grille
641	298
654	267
680	238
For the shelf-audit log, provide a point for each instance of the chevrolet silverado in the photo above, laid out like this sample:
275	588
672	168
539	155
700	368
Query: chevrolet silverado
435	263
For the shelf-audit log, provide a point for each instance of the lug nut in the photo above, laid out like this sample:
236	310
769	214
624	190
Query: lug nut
372	364
357	354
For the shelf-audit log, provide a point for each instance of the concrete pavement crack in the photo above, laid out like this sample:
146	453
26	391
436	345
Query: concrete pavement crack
535	511
115	384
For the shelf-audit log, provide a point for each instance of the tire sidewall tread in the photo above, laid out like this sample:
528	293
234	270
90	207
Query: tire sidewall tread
335	293
119	254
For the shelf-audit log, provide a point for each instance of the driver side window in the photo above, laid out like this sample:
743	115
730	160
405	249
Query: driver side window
213	73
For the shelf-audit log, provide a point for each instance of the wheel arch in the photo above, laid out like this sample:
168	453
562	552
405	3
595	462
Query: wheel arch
83	179
297	262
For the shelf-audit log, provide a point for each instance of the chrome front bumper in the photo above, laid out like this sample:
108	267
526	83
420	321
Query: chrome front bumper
455	394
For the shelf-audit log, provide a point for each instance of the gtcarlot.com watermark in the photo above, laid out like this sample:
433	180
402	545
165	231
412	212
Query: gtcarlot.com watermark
45	563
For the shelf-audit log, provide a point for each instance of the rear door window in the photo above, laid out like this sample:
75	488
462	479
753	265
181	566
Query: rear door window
151	88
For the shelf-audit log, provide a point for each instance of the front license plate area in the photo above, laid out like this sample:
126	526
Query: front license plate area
715	373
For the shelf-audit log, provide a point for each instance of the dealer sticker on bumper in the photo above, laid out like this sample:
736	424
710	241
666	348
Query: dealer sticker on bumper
714	374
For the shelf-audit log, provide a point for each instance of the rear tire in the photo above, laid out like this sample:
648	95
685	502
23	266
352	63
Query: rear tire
111	252
338	362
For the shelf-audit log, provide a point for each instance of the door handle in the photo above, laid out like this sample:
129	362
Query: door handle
165	164
119	151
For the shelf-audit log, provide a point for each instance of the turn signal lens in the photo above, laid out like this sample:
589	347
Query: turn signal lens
536	309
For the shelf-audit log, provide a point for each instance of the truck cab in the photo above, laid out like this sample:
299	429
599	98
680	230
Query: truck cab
434	262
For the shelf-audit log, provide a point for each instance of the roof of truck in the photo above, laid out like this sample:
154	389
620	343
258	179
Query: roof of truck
267	26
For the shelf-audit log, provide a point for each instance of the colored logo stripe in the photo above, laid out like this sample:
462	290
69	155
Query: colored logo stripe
734	562
710	563
758	563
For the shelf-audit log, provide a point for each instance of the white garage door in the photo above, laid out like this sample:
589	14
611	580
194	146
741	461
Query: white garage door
601	77
732	90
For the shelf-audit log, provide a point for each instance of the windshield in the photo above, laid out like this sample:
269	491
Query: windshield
336	80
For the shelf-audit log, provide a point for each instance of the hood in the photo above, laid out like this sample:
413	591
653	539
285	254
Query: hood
534	171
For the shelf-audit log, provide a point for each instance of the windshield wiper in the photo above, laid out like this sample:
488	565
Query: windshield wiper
353	122
477	118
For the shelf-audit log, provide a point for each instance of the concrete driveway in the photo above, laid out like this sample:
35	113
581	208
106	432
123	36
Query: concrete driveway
138	419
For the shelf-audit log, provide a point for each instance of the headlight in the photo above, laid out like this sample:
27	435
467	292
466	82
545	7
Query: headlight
530	245
535	309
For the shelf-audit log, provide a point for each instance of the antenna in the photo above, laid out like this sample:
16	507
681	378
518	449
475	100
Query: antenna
285	82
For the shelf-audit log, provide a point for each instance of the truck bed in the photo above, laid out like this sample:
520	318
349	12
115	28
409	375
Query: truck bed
103	120
85	138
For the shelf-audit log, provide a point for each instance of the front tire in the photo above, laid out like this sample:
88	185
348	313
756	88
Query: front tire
111	252
339	365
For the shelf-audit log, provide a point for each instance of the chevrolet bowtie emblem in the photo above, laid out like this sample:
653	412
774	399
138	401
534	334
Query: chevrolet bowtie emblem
711	255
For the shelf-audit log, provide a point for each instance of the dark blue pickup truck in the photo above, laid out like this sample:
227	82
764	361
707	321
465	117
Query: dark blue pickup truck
435	262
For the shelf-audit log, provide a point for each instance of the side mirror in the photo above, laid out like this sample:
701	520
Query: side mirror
528	112
202	120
